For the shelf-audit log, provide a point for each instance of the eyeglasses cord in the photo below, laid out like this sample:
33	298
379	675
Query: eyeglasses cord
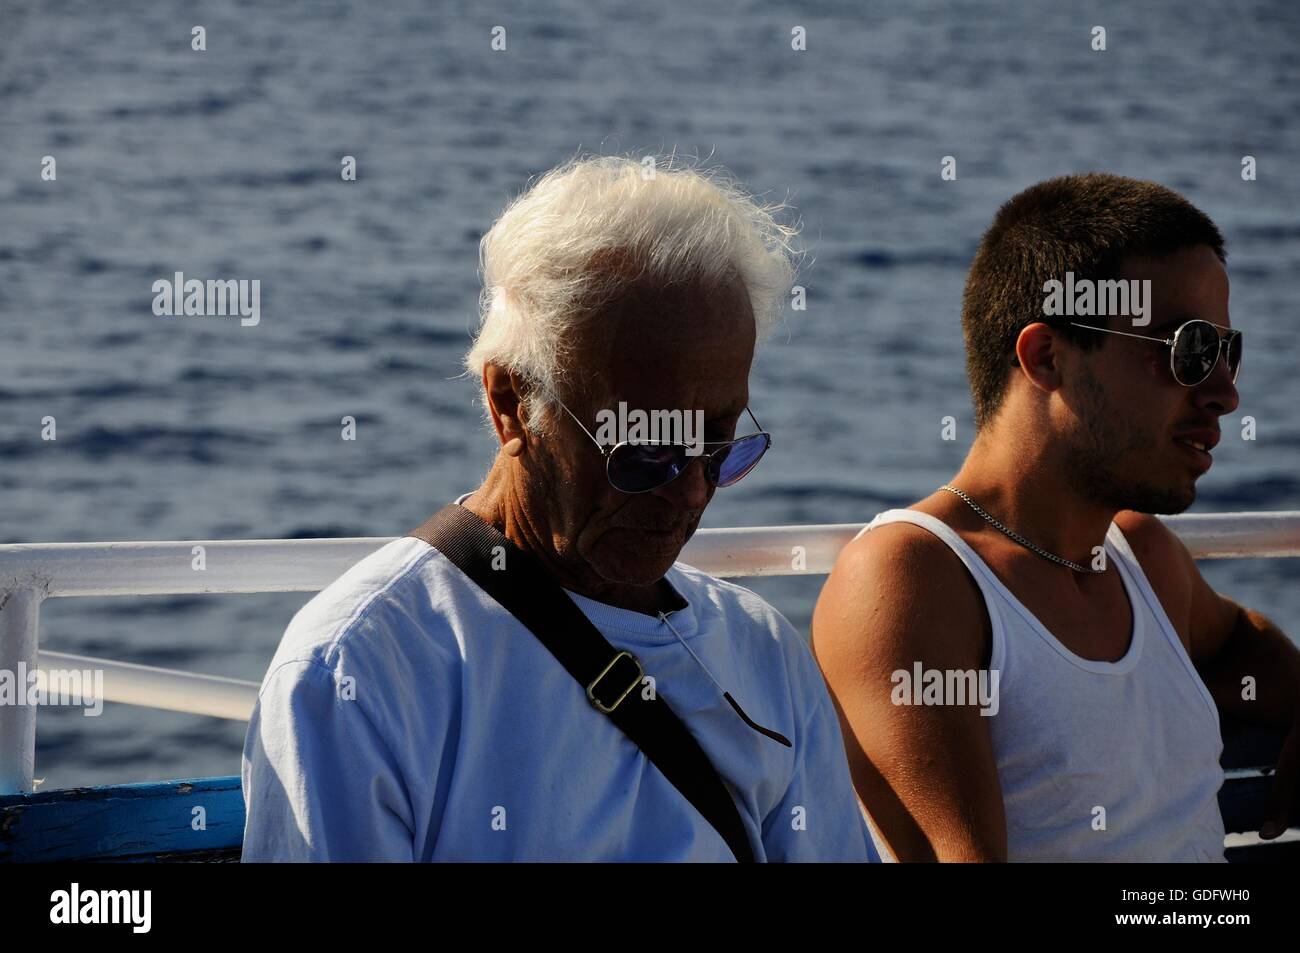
774	735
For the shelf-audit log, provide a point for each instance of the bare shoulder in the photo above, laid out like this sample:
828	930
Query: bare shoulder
1156	546
1148	535
899	597
899	591
1165	562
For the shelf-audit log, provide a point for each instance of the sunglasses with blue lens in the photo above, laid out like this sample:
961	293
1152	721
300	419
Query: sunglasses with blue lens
647	465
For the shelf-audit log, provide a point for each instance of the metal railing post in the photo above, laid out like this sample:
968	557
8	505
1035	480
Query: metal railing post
20	611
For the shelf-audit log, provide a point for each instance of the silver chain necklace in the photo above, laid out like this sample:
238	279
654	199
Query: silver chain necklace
1017	537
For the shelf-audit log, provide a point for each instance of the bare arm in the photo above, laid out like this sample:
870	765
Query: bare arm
1226	642
926	773
1250	667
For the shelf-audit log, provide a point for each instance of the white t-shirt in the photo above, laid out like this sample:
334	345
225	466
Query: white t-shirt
408	717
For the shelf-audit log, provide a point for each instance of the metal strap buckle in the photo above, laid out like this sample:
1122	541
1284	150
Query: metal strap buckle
591	689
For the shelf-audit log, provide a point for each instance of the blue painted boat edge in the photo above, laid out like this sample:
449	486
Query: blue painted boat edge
160	820
124	821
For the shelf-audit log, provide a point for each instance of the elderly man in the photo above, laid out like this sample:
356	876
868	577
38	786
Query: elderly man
531	675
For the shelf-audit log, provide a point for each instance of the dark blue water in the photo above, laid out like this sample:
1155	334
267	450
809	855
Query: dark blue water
225	164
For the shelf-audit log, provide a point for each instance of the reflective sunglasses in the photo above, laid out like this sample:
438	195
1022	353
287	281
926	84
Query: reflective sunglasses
1194	349
645	466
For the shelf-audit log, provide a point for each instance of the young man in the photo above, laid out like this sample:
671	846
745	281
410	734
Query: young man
1038	575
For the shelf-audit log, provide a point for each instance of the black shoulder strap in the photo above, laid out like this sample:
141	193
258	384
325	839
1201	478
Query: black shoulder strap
611	678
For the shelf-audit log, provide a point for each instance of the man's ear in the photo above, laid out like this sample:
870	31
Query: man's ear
1038	355
504	392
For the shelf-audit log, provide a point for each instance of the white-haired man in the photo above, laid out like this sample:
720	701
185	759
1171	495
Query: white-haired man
420	707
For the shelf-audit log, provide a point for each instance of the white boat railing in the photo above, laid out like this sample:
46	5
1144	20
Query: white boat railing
31	573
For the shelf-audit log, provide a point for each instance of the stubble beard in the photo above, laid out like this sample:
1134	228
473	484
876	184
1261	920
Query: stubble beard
1106	451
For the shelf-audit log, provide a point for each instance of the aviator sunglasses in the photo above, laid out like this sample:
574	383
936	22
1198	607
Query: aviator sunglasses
645	466
1194	349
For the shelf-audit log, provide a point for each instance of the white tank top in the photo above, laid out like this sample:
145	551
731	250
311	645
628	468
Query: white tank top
1138	738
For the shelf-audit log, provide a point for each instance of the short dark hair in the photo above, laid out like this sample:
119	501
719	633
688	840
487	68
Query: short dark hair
1088	224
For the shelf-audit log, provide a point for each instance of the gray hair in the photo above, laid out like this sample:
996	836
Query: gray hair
541	261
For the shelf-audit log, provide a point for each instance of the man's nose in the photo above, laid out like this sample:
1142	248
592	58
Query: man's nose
1218	393
692	488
